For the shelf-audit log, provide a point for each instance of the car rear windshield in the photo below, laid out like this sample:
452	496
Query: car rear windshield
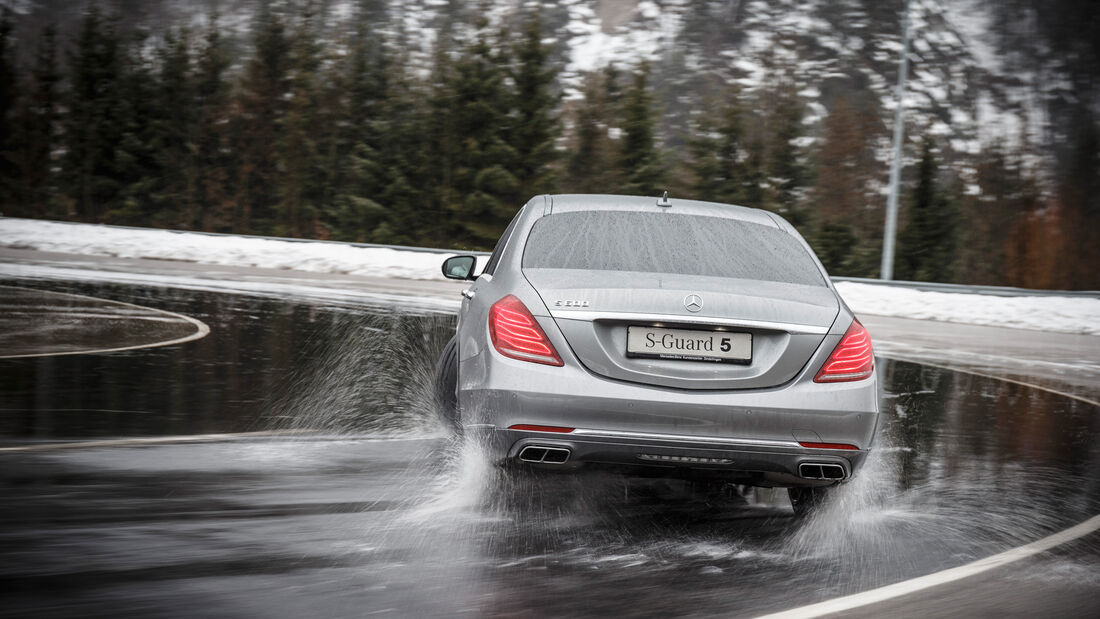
669	243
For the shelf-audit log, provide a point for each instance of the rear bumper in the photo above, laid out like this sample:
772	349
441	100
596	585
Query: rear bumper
760	463
751	436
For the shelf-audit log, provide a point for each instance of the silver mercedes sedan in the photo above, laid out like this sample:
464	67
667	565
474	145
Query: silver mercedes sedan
660	337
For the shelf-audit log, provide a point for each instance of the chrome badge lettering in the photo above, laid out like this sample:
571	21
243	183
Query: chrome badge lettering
570	303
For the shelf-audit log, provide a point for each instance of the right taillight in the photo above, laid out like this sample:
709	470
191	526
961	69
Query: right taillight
516	334
852	359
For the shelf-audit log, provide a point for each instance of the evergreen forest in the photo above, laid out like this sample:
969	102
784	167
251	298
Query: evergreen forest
304	134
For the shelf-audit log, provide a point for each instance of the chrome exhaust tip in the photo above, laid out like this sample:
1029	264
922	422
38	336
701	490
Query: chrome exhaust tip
539	454
821	470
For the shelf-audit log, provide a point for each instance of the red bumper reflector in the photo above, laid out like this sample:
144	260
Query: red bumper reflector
531	428
827	445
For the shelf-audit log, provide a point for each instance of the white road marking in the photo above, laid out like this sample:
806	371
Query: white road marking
201	330
955	574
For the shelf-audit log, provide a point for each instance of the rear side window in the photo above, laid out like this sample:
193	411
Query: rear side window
669	243
494	258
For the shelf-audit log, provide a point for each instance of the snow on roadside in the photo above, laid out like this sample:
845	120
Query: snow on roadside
96	240
1043	313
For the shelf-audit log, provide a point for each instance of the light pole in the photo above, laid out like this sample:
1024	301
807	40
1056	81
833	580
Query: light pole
887	270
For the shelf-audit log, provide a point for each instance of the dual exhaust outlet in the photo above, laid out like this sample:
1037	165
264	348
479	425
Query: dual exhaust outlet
821	470
544	454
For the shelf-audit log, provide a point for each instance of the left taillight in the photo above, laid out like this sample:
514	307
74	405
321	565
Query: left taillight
852	359
517	335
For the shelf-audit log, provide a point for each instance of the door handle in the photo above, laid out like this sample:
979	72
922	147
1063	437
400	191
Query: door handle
468	293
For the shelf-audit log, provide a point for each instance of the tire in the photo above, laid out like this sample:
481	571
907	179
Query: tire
446	386
806	500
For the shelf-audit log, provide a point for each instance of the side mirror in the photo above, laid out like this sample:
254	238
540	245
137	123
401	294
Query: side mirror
459	267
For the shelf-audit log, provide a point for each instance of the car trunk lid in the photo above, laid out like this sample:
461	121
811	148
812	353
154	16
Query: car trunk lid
595	311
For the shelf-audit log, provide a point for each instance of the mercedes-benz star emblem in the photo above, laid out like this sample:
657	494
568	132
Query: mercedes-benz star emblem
693	302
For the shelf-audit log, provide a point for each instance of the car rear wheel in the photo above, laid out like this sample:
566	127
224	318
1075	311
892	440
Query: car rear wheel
446	385
808	499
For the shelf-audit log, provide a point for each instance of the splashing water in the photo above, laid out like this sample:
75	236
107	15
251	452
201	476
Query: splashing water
871	532
367	373
461	490
856	527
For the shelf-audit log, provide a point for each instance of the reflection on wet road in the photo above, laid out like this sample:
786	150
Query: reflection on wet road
374	511
267	365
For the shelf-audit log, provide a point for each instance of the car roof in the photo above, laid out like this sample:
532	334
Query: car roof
566	203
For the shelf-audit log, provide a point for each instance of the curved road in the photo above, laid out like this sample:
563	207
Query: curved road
1062	582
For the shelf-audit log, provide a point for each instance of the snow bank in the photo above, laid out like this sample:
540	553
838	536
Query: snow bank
1063	314
227	250
1045	313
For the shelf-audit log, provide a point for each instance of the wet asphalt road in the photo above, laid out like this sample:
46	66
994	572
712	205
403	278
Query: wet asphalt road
365	508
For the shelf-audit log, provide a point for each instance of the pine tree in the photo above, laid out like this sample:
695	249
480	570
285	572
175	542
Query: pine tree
405	174
136	169
440	152
730	155
834	242
704	168
716	163
173	117
536	125
36	130
613	91
842	192
354	155
9	177
590	168
406	147
300	143
95	122
1079	192
926	246
1006	191
262	111
485	192
211	167
913	242
639	159
784	168
753	183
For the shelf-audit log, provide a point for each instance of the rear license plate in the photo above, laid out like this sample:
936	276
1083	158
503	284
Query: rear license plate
689	345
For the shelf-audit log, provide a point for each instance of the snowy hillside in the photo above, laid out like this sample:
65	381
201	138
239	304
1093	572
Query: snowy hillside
962	87
981	70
